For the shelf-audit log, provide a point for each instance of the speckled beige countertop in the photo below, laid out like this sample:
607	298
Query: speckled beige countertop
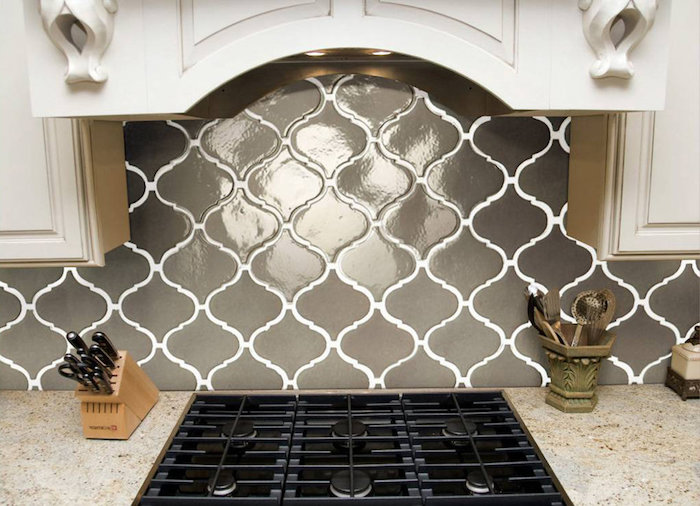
640	446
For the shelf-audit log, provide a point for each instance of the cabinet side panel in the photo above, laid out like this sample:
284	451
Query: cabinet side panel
587	163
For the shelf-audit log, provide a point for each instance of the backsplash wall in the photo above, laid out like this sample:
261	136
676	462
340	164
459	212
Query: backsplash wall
342	232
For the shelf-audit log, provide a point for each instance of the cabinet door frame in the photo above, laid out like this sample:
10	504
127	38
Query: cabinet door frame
70	237
610	170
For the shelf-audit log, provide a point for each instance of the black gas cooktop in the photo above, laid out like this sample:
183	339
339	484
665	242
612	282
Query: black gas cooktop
418	449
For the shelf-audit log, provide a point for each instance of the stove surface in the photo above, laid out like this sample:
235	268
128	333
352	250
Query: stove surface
414	449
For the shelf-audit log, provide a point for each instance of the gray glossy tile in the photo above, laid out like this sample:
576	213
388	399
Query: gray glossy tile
149	145
200	267
31	344
421	303
193	126
241	225
377	343
289	344
464	341
330	224
245	305
11	379
157	307
246	373
328	139
374	181
239	142
421	221
547	179
377	264
51	380
641	340
332	372
123	269
679	301
135	186
658	372
285	183
510	221
420	137
329	81
556	121
624	300
511	141
195	184
9	307
506	370
528	343
465	263
71	306
555	260
503	303
287	266
156	227
610	374
203	344
28	281
125	336
333	304
373	100
420	371
169	375
465	179
286	105
643	274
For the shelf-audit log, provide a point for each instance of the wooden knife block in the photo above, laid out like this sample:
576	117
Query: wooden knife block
117	415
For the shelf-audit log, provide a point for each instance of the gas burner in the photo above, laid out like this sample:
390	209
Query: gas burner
341	430
243	428
477	484
457	427
224	486
340	484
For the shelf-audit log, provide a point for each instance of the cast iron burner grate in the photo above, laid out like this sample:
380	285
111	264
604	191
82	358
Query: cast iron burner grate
411	449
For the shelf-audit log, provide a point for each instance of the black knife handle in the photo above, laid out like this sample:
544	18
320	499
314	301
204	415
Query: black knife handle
106	345
75	340
94	365
103	385
98	354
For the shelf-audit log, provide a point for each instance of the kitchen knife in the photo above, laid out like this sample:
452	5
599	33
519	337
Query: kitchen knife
103	384
94	365
98	354
76	341
106	345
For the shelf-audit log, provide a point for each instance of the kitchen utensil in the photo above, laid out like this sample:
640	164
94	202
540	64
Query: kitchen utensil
76	341
597	327
70	371
99	354
94	365
103	384
103	342
547	329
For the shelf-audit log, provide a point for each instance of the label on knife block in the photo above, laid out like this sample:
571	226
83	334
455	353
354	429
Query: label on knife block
117	415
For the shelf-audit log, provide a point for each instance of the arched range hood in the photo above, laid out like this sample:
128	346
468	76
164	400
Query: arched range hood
155	58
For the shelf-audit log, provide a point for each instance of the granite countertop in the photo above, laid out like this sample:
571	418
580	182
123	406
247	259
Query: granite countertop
640	446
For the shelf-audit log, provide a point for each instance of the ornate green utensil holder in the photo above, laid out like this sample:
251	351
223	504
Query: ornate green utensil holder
574	372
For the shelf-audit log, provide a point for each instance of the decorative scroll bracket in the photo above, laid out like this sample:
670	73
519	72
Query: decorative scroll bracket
81	30
599	17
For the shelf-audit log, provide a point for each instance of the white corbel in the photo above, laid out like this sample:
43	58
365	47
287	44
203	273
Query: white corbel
93	17
599	16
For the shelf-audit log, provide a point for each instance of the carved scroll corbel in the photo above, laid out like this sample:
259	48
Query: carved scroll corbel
81	30
598	19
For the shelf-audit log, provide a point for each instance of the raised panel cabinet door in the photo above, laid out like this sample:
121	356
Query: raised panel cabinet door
48	209
660	197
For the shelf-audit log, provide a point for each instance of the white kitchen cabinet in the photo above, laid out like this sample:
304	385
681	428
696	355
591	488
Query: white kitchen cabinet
160	57
634	184
61	202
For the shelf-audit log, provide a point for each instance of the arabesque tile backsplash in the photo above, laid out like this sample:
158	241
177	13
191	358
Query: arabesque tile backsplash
342	232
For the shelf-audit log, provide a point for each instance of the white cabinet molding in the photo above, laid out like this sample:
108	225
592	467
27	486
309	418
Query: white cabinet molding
82	31
599	17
